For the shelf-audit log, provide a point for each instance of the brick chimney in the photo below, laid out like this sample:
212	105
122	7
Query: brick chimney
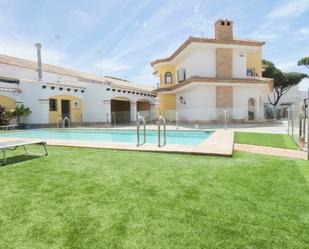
224	29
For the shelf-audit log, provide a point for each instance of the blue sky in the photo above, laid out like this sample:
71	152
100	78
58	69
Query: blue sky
131	33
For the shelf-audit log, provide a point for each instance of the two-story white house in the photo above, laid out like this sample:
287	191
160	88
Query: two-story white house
205	77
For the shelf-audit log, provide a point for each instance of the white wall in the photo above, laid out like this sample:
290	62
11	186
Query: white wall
200	103
200	62
239	64
241	96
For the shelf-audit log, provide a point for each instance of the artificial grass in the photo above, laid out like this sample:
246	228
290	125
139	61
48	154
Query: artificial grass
264	139
92	198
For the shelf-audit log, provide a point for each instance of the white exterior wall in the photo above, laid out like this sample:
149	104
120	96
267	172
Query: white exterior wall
200	103
199	63
241	96
96	99
239	64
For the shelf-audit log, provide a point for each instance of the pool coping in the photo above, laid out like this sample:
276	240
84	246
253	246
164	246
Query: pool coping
219	143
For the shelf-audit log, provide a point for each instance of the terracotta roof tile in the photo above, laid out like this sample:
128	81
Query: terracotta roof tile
192	39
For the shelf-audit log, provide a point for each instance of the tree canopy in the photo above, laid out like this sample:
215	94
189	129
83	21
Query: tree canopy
282	81
304	62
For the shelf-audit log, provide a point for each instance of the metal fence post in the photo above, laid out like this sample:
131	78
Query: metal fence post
288	109
292	119
225	117
307	132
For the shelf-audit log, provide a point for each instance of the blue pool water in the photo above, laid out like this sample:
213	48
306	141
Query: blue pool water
126	136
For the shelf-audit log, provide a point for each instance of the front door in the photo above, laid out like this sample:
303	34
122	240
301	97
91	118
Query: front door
65	108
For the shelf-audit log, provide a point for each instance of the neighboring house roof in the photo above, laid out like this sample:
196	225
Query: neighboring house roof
192	39
14	61
252	80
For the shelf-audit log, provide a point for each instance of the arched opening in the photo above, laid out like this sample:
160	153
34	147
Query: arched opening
143	108
251	109
120	110
168	78
7	103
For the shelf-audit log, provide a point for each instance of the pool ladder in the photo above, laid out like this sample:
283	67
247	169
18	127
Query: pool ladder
161	120
139	120
62	122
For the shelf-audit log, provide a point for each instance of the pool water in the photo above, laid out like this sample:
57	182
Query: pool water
125	136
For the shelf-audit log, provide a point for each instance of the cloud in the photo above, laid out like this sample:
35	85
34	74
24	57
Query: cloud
304	31
111	66
145	76
287	65
26	50
290	9
86	19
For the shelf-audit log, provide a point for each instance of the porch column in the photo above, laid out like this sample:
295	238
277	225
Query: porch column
133	111
107	108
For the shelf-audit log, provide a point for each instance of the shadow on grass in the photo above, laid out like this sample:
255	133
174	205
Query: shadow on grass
17	159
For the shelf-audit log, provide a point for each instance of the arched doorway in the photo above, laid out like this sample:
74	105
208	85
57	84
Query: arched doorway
251	109
7	103
143	108
120	110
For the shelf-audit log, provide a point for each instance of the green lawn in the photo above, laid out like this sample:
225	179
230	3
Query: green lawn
92	198
272	140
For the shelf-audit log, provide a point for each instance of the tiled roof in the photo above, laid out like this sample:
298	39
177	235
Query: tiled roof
14	61
192	39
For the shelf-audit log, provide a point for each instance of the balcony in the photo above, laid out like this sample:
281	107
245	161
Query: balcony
251	72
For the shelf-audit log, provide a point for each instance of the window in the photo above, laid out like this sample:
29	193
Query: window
181	74
251	72
168	78
52	105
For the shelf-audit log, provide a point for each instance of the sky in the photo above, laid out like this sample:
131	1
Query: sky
121	38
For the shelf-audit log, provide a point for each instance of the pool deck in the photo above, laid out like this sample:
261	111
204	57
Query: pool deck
220	143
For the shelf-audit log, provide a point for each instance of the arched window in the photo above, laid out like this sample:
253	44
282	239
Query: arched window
168	77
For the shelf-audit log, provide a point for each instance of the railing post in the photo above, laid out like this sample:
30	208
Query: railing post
225	118
159	131
288	120
138	142
292	119
140	118
307	131
113	113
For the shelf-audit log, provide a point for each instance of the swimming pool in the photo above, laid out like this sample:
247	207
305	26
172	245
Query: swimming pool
123	136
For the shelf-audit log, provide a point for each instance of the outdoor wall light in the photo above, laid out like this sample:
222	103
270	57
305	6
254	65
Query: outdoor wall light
182	100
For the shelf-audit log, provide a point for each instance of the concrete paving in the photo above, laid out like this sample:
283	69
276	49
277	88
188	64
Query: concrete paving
298	154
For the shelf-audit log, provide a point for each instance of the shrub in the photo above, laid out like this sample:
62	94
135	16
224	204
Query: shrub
4	119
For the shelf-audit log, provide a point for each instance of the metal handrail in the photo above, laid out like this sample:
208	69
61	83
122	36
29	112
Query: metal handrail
161	118
140	119
69	122
61	121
